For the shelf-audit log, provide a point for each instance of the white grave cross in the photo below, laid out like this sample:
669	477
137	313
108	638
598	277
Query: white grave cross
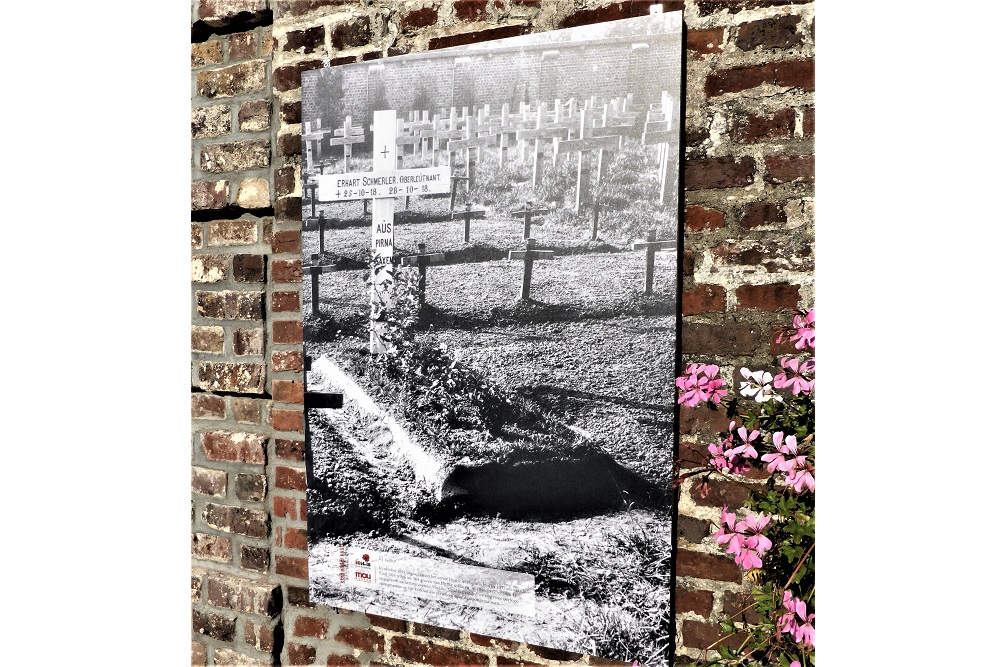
382	185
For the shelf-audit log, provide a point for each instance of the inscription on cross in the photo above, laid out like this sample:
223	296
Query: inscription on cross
526	213
651	245
382	185
529	255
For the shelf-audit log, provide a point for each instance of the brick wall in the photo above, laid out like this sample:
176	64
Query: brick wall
748	248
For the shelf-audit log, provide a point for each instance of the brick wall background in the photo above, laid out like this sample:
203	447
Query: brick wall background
748	259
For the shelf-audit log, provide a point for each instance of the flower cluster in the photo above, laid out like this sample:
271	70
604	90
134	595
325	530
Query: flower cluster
701	383
734	453
798	473
795	621
757	385
803	332
794	375
745	538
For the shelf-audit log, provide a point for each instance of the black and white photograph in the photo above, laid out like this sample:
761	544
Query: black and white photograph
490	283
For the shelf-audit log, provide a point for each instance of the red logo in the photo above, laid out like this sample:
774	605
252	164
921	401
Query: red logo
364	558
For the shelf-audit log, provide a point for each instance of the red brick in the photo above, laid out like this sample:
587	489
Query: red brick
284	8
470	10
768	297
235	519
289	145
691	529
231	81
198	657
246	410
433	631
461	39
235	446
343	661
720	339
751	129
418	18
230	305
718	172
284	182
208	482
196	236
705	41
290	478
211	547
702	218
771	33
244	595
286	360
285	507
248	268
305	41
785	347
809	122
224	376
284	302
250	487
209	195
287	240
287	391
299	596
286	420
703	299
351	33
703	419
292	566
393	624
790	168
254	116
287	331
295	538
289	209
616	11
310	626
286	271
213	11
248	342
302	508
434	654
785	74
300	654
687	263
291	114
207	406
700	635
483	640
706	7
215	626
290	77
763	213
242	46
554	653
722	492
517	662
254	558
363	639
707	566
259	637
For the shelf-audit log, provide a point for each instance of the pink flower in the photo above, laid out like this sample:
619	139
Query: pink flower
701	383
795	663
801	479
789	621
754	525
776	461
732	538
734	459
744	538
798	473
805	330
796	378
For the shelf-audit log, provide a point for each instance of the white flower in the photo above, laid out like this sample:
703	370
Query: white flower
757	385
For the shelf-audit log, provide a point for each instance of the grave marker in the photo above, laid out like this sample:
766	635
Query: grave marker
529	255
651	245
347	136
313	271
468	214
422	260
313	136
526	213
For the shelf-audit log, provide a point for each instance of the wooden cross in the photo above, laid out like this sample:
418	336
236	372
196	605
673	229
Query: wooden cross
313	136
651	245
321	223
468	214
587	144
658	133
539	134
310	188
529	255
422	260
382	185
346	136
526	213
593	227
314	271
467	144
316	400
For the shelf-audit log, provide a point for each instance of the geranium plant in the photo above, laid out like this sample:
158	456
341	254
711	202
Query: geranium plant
770	448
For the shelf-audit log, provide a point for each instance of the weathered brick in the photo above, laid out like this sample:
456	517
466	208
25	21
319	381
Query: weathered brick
704	338
286	420
310	626
702	218
790	168
286	508
707	566
213	121
235	519
706	41
259	637
196	235
290	478
287	391
770	255
227	657
701	419
718	172
305	41
209	195
701	635
463	38
288	209
779	32
703	299
809	122
300	654
784	74
209	268
212	625
208	482
694	601
206	53
251	488
414	650
244	595
232	81
351	33
207	406
235	446
706	7
344	661
292	566
719	492
230	305
418	18
289	77
248	342
207	339
254	558
739	606
284	8
687	263
254	116
242	46
286	360
762	213
363	639
249	268
211	547
291	112
290	450
751	129
483	640
691	529
433	631
286	331
246	410
232	232
393	624
616	11
284	302
284	181
236	156
470	10
198	655
768	297
289	145
295	538
215	11
554	653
